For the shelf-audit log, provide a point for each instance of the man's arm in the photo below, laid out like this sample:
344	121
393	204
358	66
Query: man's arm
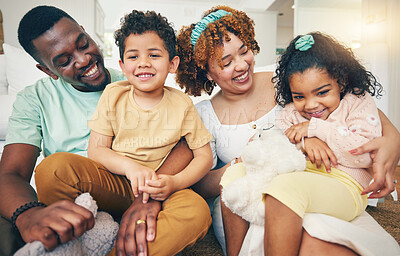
60	222
177	160
16	168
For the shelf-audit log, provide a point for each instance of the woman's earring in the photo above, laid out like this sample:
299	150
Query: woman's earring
208	87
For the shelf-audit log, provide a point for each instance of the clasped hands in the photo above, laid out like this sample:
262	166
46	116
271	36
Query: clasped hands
145	181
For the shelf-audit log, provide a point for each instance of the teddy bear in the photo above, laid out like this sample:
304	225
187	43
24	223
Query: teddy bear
269	154
95	242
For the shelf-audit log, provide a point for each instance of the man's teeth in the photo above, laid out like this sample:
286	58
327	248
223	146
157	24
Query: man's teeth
92	71
241	77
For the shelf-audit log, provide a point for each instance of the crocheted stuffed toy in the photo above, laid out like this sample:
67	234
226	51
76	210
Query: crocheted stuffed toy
269	154
97	241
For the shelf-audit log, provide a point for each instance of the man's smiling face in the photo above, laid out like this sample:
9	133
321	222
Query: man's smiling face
67	51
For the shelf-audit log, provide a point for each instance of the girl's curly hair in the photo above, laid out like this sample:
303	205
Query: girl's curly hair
138	22
325	54
192	70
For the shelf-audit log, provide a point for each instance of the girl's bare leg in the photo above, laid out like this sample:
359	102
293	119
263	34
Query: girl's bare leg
235	229
283	229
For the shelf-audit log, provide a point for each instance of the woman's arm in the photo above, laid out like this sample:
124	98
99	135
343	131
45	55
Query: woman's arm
385	154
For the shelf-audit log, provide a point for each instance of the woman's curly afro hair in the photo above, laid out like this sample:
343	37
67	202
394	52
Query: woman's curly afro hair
138	22
325	54
192	70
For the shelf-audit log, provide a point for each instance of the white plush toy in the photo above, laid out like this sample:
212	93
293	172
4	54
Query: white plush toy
270	153
97	241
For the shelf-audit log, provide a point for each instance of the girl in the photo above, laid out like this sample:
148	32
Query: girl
328	111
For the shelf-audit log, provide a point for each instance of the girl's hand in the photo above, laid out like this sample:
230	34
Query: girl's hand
298	131
385	155
138	178
318	152
159	189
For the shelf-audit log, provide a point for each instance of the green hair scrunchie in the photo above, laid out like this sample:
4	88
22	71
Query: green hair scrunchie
202	24
304	43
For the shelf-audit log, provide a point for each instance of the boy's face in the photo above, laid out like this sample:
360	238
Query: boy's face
146	62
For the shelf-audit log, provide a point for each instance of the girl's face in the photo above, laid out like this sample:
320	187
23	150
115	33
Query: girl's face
315	93
238	63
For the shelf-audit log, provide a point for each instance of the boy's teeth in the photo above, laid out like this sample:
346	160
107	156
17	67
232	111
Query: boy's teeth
146	75
92	71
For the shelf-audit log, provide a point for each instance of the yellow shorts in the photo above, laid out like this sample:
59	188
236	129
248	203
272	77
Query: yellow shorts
314	190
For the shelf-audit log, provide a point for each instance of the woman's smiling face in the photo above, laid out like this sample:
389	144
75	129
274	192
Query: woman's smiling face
236	77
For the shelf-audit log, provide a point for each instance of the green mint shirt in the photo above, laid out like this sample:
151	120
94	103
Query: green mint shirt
56	113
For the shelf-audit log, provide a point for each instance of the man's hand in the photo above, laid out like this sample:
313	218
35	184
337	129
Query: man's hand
318	152
138	225
55	224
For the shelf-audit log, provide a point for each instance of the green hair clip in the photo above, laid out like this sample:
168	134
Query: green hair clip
202	24
304	43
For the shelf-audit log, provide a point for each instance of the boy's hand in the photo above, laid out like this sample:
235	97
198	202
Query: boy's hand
298	131
159	189
138	178
318	152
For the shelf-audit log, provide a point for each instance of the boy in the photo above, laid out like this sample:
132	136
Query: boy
137	122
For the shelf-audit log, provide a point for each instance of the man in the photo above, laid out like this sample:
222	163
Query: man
54	111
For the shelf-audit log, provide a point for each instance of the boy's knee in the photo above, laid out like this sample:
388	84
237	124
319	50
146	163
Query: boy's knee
55	167
56	175
197	209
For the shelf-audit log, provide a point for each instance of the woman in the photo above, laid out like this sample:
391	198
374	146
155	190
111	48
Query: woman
220	50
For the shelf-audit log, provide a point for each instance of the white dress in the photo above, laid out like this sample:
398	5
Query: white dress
364	235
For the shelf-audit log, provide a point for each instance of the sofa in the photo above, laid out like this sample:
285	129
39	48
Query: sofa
17	70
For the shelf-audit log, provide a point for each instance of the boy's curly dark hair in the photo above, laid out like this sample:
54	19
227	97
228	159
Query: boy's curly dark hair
138	22
192	70
326	54
35	23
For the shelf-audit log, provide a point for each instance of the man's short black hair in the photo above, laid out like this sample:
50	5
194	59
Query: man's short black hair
35	23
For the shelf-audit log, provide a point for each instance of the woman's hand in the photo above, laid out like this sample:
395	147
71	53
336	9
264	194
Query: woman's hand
385	155
318	152
138	175
298	131
159	189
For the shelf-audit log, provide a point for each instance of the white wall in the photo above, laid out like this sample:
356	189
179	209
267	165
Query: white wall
83	11
184	14
343	24
348	26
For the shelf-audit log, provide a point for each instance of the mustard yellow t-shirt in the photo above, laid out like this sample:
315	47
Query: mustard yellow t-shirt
147	136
